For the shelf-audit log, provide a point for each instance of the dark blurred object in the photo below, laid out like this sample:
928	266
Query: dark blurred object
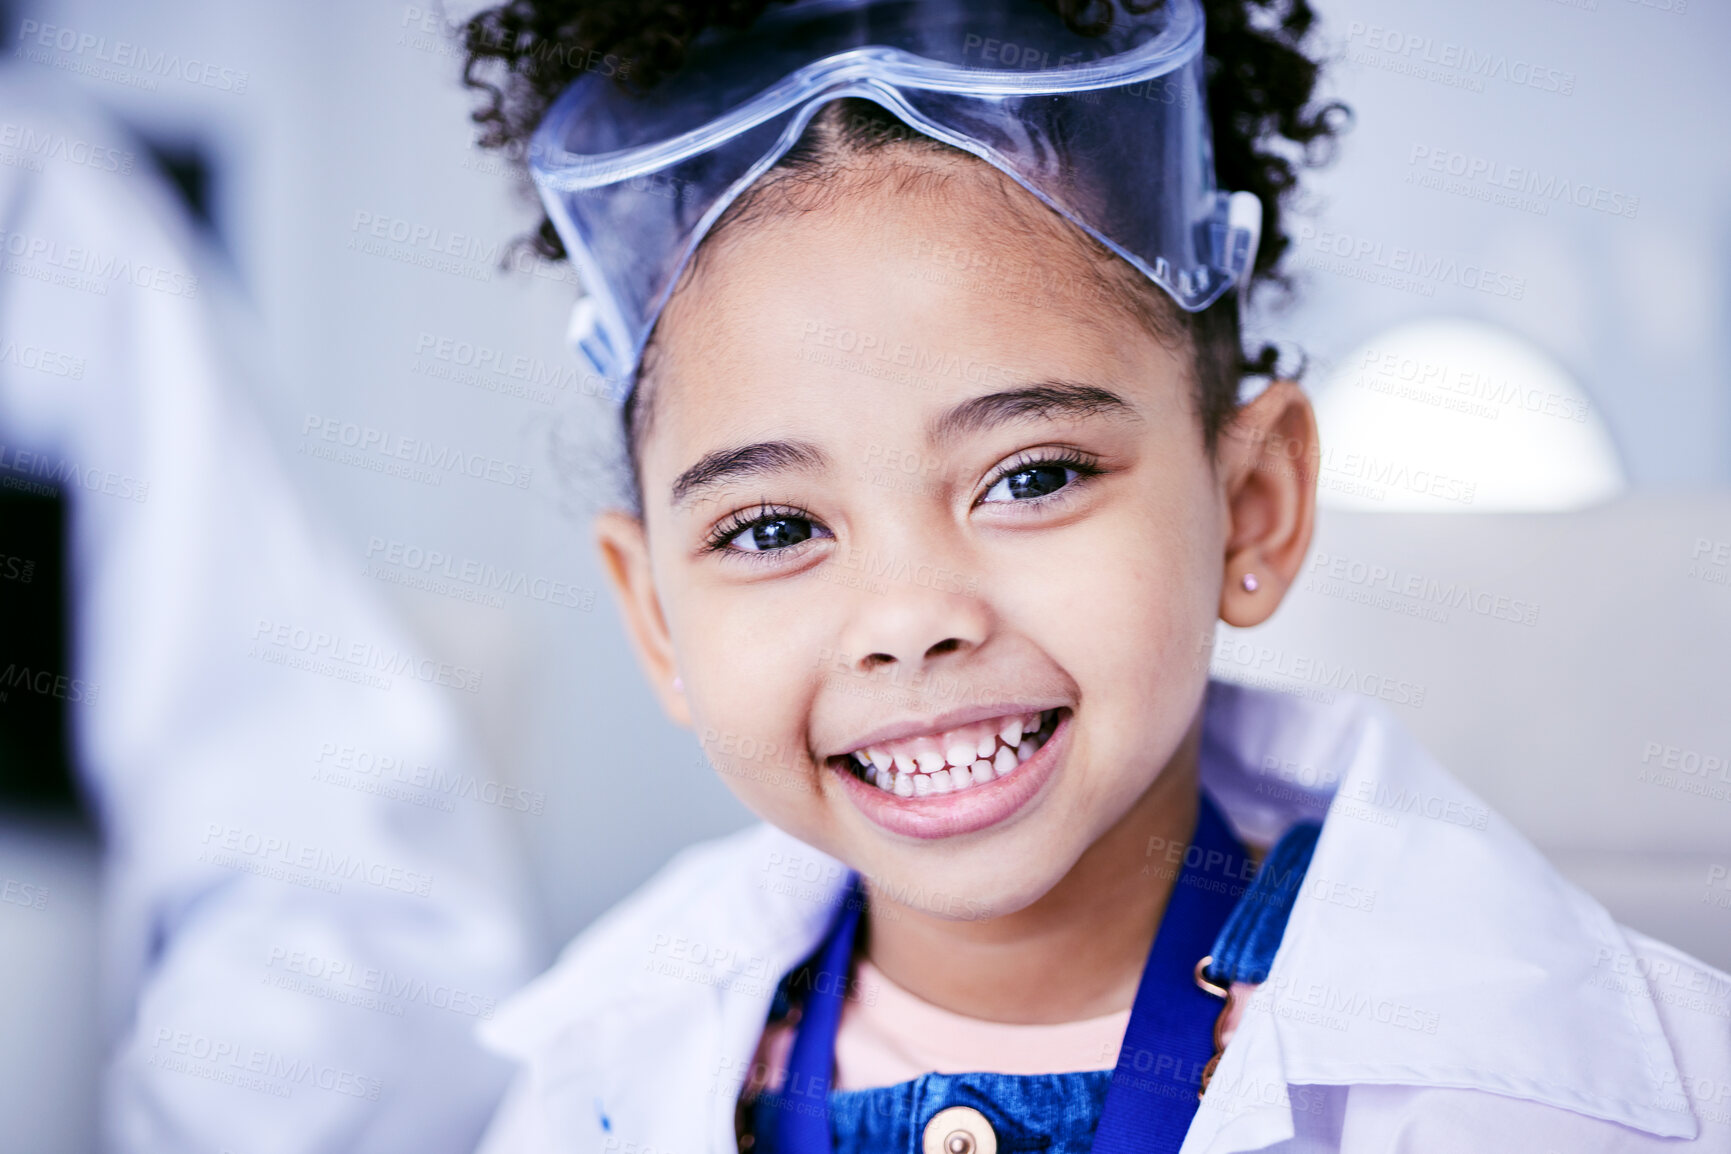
187	167
36	683
37	686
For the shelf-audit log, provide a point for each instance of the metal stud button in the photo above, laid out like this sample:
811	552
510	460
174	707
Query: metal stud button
959	1130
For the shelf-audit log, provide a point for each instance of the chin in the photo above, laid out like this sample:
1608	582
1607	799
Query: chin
970	886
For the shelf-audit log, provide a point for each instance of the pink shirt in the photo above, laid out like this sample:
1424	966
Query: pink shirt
887	1035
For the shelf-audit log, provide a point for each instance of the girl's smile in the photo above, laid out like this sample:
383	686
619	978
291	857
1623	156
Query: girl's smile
958	779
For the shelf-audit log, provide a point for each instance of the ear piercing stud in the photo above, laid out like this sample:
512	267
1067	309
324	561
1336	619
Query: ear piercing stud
1250	583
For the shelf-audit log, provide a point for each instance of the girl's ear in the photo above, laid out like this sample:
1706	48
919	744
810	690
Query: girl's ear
1269	456
625	556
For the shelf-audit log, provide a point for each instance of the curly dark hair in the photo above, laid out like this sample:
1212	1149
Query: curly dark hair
1261	84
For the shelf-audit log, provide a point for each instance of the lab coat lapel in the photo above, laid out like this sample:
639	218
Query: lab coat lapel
644	1033
1432	945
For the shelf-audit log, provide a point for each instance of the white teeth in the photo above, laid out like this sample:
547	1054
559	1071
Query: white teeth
972	758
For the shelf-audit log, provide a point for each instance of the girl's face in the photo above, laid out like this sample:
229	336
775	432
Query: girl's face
905	509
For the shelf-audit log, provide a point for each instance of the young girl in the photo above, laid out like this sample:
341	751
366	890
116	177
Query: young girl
927	321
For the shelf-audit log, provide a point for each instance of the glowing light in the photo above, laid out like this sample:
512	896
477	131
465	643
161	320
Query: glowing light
1460	416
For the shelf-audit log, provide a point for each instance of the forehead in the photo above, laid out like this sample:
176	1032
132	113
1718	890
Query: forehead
896	297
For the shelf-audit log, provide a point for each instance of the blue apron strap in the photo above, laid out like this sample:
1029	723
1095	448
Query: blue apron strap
1152	1097
1245	949
802	1122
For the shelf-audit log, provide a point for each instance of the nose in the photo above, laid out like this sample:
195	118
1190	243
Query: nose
910	626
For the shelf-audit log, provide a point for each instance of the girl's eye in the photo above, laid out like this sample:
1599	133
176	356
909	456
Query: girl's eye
772	533
1029	482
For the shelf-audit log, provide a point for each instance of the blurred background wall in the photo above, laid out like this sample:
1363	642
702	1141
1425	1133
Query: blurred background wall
1576	724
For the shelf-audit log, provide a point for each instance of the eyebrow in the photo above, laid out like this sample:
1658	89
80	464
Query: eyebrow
1043	401
724	465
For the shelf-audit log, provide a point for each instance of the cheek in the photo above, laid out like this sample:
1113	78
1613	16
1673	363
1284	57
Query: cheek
1133	626
1141	610
751	663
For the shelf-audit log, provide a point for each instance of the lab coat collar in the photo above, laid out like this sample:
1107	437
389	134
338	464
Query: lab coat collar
1433	947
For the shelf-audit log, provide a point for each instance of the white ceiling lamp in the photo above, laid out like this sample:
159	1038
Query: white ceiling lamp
1460	416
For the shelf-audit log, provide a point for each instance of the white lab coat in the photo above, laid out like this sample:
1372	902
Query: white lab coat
1439	987
230	1025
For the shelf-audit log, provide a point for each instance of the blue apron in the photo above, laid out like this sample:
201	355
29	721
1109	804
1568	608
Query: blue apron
1211	927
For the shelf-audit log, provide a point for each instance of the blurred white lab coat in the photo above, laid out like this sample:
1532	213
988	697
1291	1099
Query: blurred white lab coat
1439	989
298	944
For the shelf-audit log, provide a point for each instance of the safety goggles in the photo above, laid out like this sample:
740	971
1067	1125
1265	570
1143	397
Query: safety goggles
1109	130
